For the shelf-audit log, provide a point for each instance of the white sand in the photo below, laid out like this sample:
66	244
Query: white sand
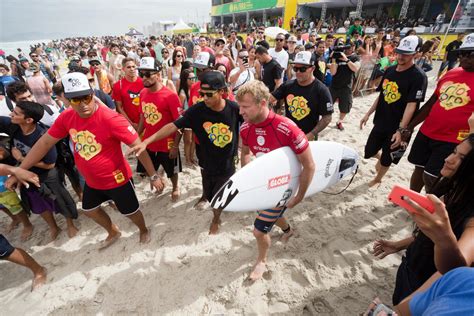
327	269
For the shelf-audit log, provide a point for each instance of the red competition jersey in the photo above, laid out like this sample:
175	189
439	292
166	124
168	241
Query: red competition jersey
158	109
129	94
275	132
447	120
97	145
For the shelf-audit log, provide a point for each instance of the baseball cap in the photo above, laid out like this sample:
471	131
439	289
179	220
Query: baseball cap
76	85
304	58
467	44
204	60
214	79
94	60
75	58
220	40
22	59
409	45
292	38
149	63
308	45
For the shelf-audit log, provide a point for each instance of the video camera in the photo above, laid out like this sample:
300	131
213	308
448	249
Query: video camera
338	50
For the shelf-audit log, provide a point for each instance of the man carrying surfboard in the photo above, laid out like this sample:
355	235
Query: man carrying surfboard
262	132
306	98
215	121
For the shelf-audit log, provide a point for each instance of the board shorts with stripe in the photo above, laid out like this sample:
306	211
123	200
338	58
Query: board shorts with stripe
6	249
11	202
212	183
266	219
123	196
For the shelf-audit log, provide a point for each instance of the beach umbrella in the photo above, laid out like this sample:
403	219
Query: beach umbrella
273	31
2	52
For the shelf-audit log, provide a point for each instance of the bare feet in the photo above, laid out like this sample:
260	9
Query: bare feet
286	236
55	233
39	279
374	182
258	270
145	237
111	238
214	229
26	233
200	205
14	224
72	231
175	195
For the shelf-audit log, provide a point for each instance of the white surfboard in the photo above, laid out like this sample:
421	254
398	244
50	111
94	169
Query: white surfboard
272	179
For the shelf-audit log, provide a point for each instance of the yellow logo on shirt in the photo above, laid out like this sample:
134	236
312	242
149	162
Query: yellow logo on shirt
151	114
85	144
298	106
390	91
219	133
196	100
118	176
453	95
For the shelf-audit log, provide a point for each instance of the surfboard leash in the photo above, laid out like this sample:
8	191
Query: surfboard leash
357	169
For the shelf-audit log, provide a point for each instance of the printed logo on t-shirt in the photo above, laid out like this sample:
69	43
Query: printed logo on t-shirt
298	106
390	91
135	97
453	95
118	176
150	113
85	144
219	133
462	134
197	99
261	140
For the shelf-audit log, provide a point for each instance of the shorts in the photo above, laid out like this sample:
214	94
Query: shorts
429	153
344	95
11	201
382	140
212	183
266	219
123	196
171	166
39	201
6	249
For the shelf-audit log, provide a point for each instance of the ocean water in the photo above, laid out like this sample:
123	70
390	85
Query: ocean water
10	48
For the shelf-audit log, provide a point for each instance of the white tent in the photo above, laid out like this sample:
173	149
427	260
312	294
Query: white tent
134	34
181	27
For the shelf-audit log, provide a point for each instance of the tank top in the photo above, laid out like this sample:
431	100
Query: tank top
104	83
174	75
39	90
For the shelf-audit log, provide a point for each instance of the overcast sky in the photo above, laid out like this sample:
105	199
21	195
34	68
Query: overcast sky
45	19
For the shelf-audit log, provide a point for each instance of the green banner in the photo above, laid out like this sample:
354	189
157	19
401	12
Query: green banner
242	6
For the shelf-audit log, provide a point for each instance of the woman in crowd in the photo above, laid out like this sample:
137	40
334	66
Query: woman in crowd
175	70
187	79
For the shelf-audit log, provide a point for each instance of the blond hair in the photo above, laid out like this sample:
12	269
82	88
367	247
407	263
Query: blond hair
257	90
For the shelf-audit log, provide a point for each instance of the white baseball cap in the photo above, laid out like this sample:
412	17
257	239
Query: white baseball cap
468	43
409	45
76	85
149	63
204	60
304	58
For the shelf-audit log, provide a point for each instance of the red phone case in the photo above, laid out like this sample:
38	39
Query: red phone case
396	197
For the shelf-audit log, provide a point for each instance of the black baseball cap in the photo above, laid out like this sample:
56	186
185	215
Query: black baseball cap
214	79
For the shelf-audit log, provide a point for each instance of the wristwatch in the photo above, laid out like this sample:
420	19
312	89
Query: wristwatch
154	177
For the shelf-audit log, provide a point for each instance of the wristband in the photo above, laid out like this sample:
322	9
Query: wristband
154	177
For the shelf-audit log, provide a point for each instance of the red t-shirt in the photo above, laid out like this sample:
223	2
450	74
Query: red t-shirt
447	120
158	109
208	50
97	145
275	132
129	94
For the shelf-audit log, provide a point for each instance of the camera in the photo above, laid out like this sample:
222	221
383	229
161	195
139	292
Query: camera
245	60
338	50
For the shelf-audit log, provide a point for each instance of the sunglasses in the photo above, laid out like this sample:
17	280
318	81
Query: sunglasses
279	39
179	56
34	56
300	69
94	64
260	32
192	78
146	73
207	94
76	101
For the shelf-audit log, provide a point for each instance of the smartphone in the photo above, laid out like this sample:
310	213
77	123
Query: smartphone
398	192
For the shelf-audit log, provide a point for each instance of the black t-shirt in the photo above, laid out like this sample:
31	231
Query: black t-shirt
396	90
24	143
271	72
304	104
452	55
344	75
218	135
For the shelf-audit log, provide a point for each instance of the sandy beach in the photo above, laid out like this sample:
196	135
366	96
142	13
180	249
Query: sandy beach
326	269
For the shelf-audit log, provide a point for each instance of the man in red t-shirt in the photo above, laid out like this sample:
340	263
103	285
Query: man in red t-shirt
126	92
262	132
445	118
97	133
158	107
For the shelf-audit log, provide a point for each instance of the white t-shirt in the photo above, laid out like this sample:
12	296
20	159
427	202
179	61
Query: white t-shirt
244	77
281	57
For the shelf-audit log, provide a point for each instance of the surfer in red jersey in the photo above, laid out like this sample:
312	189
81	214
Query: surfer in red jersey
262	132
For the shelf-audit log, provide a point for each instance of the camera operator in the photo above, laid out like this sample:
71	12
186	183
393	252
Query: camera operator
343	66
